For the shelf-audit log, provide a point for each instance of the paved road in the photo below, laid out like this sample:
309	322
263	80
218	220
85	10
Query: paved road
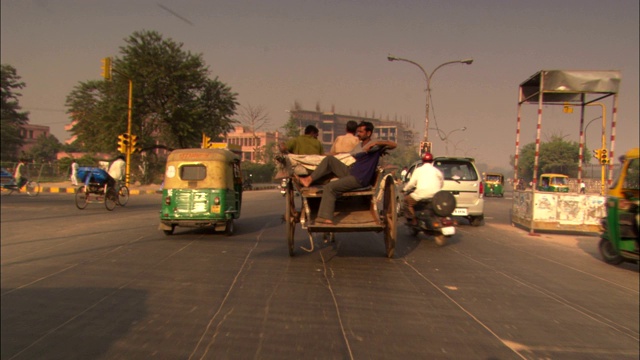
91	284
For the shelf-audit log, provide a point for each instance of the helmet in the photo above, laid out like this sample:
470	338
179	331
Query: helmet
427	157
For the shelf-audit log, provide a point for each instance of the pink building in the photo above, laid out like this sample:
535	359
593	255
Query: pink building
252	143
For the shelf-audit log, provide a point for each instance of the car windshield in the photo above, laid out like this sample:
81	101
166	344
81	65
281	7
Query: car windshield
457	170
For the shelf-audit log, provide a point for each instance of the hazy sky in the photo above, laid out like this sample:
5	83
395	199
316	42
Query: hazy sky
334	53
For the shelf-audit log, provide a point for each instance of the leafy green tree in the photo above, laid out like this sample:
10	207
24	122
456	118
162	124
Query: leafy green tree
174	100
45	149
11	117
556	156
402	156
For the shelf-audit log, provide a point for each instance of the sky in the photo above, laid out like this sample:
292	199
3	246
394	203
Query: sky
334	54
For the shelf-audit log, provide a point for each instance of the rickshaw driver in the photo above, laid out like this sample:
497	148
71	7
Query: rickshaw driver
359	175
116	171
427	180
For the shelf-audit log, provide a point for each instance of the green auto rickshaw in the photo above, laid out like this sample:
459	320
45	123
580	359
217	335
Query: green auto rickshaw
619	238
494	184
553	183
202	188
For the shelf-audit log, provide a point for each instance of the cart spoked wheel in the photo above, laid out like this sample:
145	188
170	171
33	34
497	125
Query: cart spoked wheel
81	197
390	218
289	216
110	198
609	253
33	188
123	195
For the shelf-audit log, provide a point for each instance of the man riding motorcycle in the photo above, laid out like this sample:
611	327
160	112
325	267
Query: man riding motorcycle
427	180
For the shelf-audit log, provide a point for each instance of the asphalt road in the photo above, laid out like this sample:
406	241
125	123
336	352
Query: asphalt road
94	284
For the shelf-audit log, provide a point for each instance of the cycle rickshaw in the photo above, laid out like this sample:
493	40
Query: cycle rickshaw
356	210
99	187
9	183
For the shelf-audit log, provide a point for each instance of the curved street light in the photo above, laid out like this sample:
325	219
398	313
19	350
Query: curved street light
428	79
445	137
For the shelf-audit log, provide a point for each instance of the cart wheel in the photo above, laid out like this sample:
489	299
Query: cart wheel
390	219
123	195
81	197
609	253
169	232
289	217
33	188
110	199
231	228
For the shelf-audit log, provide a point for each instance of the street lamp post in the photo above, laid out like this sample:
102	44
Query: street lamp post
428	80
445	138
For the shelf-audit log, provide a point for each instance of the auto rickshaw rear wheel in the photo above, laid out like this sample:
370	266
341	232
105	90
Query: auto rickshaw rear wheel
609	253
169	232
231	228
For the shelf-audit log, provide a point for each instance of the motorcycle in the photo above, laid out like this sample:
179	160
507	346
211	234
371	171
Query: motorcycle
434	217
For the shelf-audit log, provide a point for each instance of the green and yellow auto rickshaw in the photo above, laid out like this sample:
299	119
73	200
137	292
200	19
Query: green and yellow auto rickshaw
202	188
619	238
553	183
494	184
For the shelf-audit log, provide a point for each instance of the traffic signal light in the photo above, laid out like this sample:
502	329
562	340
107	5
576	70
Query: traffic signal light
597	154
123	143
106	68
604	157
134	143
205	141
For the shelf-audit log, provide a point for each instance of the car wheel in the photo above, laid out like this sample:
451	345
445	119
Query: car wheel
476	220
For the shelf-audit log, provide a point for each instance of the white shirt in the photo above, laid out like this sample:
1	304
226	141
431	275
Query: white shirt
427	181
117	169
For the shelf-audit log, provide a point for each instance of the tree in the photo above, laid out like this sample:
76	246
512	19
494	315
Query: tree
556	156
174	101
45	149
11	117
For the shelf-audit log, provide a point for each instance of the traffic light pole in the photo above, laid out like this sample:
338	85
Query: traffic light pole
130	145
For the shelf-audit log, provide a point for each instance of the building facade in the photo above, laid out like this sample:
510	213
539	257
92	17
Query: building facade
252	143
332	125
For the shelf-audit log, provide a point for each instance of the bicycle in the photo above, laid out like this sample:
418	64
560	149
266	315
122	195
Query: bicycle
32	187
123	194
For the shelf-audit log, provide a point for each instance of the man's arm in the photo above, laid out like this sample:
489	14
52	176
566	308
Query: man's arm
389	144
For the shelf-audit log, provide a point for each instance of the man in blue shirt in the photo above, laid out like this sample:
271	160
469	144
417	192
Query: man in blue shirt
359	175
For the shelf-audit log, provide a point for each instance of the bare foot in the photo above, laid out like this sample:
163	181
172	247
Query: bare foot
323	221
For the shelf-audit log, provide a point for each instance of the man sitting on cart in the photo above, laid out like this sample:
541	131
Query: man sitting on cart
357	176
117	171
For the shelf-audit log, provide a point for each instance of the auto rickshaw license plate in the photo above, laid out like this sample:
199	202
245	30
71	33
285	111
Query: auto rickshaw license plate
459	212
215	208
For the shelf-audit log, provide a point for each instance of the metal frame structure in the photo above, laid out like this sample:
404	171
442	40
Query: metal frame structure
566	88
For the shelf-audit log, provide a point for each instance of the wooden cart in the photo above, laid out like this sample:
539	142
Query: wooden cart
355	211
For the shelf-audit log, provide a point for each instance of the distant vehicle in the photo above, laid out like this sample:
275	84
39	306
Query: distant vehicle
553	183
494	184
462	179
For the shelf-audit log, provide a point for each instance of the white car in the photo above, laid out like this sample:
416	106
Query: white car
462	179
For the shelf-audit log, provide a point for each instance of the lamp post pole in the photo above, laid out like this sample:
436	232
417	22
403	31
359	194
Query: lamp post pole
428	77
445	138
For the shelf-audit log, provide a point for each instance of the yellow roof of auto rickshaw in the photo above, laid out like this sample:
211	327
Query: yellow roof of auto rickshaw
554	175
197	154
495	174
632	153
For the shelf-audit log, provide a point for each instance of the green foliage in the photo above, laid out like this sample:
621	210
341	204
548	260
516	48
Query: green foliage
291	128
402	156
260	173
45	149
174	100
556	156
11	117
